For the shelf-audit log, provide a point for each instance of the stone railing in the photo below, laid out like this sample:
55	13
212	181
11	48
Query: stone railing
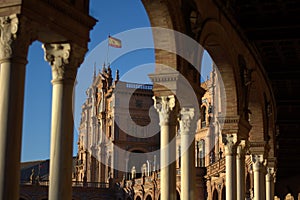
74	184
216	168
139	86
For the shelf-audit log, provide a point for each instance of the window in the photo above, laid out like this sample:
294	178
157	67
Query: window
203	117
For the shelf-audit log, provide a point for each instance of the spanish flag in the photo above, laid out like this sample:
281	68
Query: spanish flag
114	42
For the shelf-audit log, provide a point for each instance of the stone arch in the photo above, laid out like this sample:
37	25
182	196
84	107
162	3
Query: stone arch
223	193
215	195
256	110
138	198
160	15
135	161
215	41
148	197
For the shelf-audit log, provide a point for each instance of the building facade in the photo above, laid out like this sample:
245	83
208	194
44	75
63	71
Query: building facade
113	132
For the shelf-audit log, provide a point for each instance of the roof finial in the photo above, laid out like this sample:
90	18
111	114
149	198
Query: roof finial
103	68
117	75
94	70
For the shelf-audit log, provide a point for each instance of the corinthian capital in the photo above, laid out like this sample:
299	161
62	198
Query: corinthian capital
241	149
164	106
64	59
14	39
258	161
230	141
8	29
186	122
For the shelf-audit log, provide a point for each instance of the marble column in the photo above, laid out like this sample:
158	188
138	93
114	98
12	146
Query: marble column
165	106
14	43
240	170
64	60
258	170
230	161
187	135
270	183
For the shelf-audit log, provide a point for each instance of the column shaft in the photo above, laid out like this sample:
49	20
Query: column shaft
12	78
164	106
167	162
61	142
13	53
187	136
187	168
230	161
230	177
259	177
240	163
257	189
269	185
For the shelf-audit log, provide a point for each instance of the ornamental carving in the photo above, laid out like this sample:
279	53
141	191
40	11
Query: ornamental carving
230	141
8	31
241	149
64	60
58	57
271	174
258	161
164	106
186	120
16	34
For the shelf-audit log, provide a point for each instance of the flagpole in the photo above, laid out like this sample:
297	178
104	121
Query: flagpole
107	54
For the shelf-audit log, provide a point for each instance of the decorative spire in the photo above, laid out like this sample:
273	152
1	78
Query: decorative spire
103	68
94	75
117	75
108	70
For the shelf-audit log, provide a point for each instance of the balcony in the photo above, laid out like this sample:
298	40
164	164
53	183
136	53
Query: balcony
74	184
216	168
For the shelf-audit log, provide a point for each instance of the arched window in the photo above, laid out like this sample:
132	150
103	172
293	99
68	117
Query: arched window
138	198
149	197
224	193
215	195
200	152
203	117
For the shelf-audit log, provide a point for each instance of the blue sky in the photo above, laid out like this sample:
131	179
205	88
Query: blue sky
113	17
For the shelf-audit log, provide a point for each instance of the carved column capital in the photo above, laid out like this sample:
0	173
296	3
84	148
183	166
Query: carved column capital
64	59
271	169
258	161
186	121
165	106
271	174
230	141
16	34
8	26
242	148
